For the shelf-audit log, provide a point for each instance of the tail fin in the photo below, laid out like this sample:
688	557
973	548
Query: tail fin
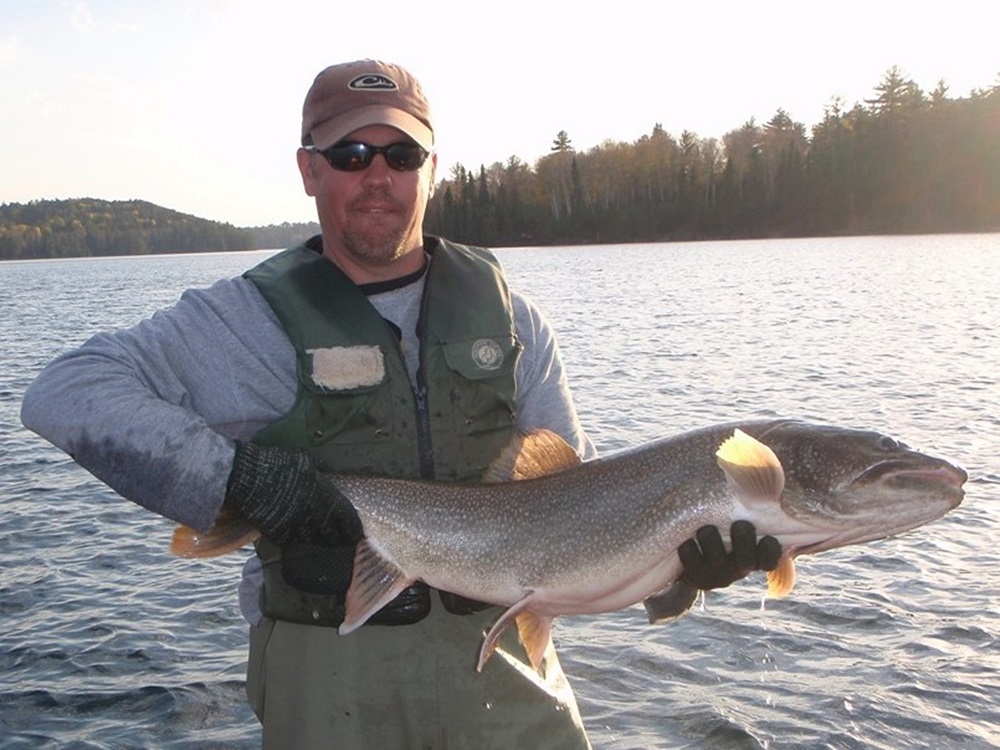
229	532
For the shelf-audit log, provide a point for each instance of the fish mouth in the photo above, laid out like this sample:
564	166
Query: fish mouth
935	486
903	473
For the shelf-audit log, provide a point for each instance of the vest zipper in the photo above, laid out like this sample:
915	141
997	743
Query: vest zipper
424	446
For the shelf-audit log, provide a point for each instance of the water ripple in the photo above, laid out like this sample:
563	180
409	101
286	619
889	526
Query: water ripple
108	642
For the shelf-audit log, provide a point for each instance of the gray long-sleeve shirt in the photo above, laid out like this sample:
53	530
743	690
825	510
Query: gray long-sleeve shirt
153	410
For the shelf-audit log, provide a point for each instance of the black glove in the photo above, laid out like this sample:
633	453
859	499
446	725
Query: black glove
707	565
282	495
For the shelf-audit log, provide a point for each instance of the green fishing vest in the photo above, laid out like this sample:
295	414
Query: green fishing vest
355	408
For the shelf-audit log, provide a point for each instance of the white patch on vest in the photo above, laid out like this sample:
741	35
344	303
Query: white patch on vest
340	368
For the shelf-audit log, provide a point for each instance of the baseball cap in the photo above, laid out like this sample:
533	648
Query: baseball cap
353	95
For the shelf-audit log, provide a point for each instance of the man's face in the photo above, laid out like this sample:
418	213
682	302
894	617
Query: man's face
372	219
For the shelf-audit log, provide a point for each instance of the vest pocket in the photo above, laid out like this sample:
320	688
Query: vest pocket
348	418
340	396
482	382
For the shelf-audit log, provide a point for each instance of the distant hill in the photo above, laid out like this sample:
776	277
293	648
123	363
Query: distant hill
83	227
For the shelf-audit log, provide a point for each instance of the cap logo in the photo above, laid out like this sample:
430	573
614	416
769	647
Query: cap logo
370	81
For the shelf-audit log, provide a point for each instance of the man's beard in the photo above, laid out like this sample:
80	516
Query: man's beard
376	239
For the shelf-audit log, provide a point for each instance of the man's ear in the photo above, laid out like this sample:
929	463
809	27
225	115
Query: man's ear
305	161
433	177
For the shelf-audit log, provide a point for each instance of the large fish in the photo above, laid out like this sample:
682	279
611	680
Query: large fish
572	538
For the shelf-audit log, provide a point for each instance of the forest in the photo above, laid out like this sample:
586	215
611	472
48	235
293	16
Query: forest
904	161
90	227
83	227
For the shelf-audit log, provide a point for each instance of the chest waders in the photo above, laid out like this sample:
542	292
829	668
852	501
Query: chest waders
356	410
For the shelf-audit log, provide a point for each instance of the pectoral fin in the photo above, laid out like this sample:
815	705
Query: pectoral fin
375	582
229	532
751	468
781	580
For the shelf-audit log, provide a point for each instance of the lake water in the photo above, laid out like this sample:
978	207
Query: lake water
108	642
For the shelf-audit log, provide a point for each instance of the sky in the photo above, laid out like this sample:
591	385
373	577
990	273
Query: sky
195	105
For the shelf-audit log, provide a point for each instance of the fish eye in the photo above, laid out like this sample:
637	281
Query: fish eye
888	444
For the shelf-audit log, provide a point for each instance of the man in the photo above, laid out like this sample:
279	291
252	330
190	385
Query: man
368	348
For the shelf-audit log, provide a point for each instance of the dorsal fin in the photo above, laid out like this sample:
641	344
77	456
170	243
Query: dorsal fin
530	455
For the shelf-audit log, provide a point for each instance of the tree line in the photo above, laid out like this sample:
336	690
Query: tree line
904	161
84	227
87	226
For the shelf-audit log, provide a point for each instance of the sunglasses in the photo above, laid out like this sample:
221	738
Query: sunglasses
353	156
